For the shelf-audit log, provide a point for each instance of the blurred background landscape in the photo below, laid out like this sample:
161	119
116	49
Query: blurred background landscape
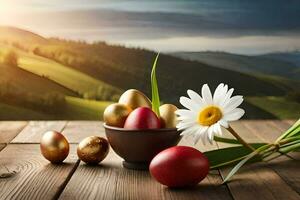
69	59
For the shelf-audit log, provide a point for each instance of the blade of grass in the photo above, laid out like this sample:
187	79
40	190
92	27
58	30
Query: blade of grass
229	156
154	89
247	158
239	165
293	129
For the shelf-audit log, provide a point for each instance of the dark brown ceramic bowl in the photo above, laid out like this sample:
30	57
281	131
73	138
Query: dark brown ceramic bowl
138	147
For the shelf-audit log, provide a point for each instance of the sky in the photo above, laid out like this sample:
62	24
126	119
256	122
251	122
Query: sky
246	27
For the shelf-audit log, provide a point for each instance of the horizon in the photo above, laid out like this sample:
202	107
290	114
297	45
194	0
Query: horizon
165	26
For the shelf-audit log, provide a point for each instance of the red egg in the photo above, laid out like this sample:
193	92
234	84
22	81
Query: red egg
179	166
142	118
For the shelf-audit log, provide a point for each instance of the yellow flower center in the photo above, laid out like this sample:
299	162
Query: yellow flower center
209	115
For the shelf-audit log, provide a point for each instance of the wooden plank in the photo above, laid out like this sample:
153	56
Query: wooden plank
2	146
285	167
258	180
282	125
75	131
9	130
33	132
96	182
35	177
111	181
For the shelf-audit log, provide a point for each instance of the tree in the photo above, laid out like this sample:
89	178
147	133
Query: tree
11	58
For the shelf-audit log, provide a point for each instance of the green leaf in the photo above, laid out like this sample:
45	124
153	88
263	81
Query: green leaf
226	140
239	165
229	156
294	146
154	88
292	131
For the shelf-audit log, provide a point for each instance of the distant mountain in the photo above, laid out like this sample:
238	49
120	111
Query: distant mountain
77	63
130	68
248	64
292	57
8	33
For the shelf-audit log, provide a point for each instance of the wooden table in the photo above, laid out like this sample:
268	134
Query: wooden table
36	178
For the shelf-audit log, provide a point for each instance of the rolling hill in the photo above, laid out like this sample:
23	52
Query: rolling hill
130	68
292	57
249	64
26	81
101	71
64	76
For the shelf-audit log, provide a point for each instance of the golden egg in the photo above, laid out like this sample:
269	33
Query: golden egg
54	146
116	114
93	149
134	99
167	115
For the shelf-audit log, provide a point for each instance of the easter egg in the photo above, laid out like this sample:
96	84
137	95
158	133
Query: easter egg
142	118
179	166
54	146
93	149
168	117
134	99
116	114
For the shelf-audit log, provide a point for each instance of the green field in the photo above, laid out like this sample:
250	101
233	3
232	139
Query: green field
68	77
29	82
9	112
78	108
280	107
65	76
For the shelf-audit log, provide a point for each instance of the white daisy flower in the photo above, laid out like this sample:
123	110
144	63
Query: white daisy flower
205	115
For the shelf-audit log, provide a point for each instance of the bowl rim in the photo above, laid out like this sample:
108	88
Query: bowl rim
138	130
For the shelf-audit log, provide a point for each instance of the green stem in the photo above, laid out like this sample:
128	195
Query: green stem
243	142
289	131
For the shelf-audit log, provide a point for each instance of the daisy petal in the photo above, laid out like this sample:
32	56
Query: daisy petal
188	103
210	134
223	123
190	131
185	112
234	102
195	97
234	115
200	134
185	118
223	94
206	94
218	93
182	126
227	97
218	129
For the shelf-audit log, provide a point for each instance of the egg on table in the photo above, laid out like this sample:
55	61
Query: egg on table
167	115
116	114
134	99
54	146
179	166
93	149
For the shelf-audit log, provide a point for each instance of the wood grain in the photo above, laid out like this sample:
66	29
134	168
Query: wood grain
9	130
285	167
33	132
2	146
258	180
112	181
35	177
94	182
75	131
